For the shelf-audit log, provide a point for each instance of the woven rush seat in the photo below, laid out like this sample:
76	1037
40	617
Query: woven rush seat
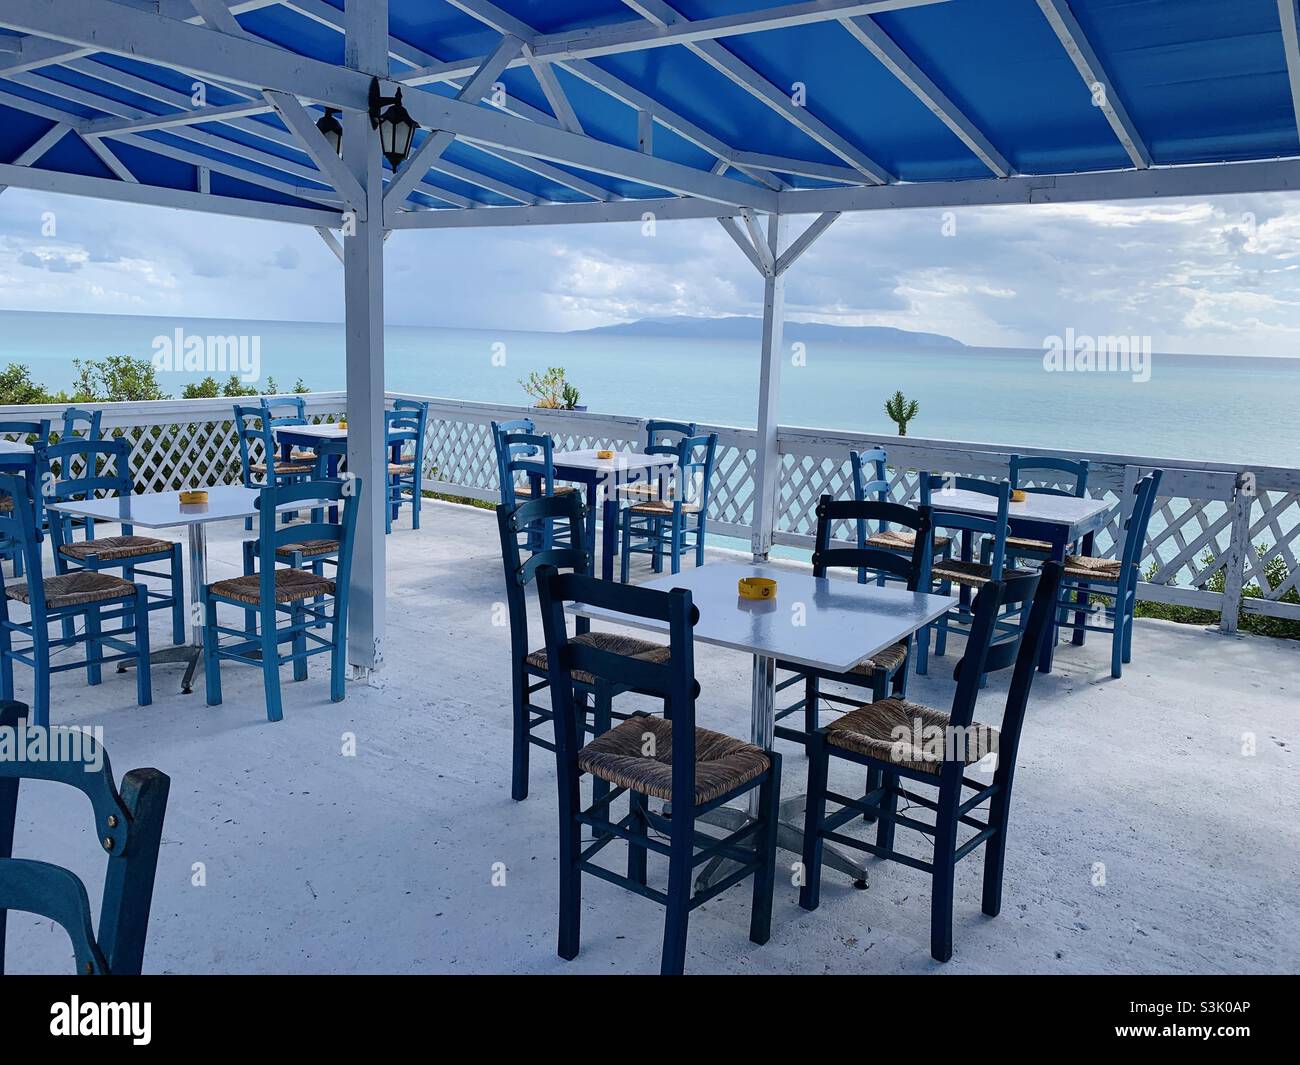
640	490
309	548
663	508
290	586
611	642
1085	567
888	729
903	541
6	503
401	468
1020	543
302	456
888	659
111	548
722	763
971	574
76	589
281	467
526	491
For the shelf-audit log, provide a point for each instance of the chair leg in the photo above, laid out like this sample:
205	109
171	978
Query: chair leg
338	650
41	682
944	875
271	664
6	667
941	639
211	661
143	671
699	541
675	532
769	802
603	721
94	649
299	644
178	598
636	855
1129	613
250	615
625	551
656	527
678	909
811	698
874	777
570	872
814	814
888	807
519	766
128	574
1117	641
995	850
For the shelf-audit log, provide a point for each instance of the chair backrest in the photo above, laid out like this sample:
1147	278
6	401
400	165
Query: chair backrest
672	681
284	410
501	433
253	424
694	473
665	438
870	481
1139	518
565	550
523	453
915	571
344	493
87	469
1038	590
128	825
973	523
20	526
78	422
37	432
1051	470
412	419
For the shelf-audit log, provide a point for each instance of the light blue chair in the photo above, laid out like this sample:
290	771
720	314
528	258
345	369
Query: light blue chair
675	523
256	434
404	428
302	598
1049	473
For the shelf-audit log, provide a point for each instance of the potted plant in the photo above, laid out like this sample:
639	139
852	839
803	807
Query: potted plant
550	391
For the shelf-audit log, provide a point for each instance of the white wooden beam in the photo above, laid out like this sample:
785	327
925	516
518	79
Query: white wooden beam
554	92
1290	18
217	15
47	140
767	467
742	74
1099	85
106	156
635	211
744	243
805	241
869	34
333	171
331	242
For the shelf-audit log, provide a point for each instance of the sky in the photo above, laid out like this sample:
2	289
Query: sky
1217	276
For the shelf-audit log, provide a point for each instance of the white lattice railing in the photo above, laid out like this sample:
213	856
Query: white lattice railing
1217	528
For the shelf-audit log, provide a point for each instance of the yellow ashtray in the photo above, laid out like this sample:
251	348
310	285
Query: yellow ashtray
604	454
1018	495
194	497
342	423
757	588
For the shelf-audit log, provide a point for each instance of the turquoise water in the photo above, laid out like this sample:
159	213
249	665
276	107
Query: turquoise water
1193	407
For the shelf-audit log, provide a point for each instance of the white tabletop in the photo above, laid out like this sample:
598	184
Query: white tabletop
827	623
164	510
622	460
1052	509
320	432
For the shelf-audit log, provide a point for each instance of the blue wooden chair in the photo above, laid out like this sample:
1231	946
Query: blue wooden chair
965	573
35	434
664	758
871	481
1042	476
256	433
81	424
128	826
662	438
936	753
501	434
88	469
280	411
404	427
676	522
1116	579
889	666
303	598
528	665
81	595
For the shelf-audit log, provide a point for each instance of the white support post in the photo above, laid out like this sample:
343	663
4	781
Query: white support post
366	23
767	474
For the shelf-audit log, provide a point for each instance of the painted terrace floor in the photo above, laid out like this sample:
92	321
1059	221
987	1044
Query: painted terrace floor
1142	839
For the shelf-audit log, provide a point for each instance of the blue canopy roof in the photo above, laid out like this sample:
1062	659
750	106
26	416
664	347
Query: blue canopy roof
782	96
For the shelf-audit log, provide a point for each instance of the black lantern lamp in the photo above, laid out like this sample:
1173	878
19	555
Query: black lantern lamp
396	126
332	130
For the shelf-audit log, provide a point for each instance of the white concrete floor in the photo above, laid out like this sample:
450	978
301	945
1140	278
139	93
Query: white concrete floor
282	854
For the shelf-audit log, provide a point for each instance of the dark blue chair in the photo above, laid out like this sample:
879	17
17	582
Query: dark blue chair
36	434
502	433
888	669
528	666
405	427
676	522
306	600
128	826
260	461
871	481
664	758
1042	476
86	469
1116	579
936	753
81	595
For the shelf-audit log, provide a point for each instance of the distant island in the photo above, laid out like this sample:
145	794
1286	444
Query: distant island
741	327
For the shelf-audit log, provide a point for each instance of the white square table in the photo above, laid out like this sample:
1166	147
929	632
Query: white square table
828	623
164	510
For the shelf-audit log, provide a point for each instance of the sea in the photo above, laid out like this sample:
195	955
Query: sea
1214	408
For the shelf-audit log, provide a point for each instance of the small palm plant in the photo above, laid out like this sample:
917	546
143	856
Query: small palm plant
901	411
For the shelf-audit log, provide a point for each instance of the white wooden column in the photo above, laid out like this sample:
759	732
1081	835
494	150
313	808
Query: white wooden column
366	25
767	469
